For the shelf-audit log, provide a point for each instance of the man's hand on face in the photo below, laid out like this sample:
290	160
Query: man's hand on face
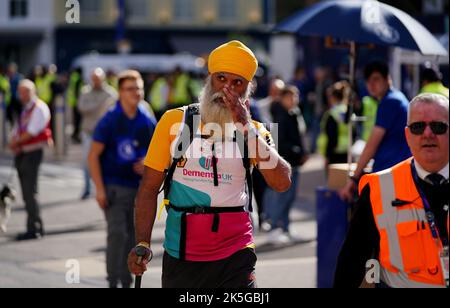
239	108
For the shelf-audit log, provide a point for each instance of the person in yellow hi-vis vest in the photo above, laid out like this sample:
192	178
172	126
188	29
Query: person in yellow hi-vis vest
195	86
44	83
159	94
431	79
112	80
369	112
333	138
181	93
73	93
5	89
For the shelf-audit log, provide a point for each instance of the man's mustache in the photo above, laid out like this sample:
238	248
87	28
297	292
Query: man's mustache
216	96
220	95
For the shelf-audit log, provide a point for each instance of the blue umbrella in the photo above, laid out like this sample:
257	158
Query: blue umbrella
363	21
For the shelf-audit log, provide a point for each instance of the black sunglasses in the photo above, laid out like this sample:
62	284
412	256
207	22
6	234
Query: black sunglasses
438	128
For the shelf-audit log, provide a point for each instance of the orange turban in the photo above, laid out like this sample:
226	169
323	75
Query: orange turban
233	57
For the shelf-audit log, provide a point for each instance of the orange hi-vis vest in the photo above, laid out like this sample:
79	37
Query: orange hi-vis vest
409	255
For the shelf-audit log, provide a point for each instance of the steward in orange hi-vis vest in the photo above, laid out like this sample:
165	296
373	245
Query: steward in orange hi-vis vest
411	248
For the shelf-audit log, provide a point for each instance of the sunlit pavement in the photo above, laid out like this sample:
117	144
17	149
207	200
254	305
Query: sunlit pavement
76	235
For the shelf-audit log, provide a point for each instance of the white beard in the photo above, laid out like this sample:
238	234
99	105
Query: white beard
214	112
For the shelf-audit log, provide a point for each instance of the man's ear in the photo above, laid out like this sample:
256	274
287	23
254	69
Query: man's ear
407	135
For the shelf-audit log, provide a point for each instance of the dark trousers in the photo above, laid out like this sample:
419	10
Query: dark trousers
236	271
27	165
76	123
121	239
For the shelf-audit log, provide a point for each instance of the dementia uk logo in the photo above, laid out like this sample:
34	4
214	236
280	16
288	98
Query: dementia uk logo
206	163
73	12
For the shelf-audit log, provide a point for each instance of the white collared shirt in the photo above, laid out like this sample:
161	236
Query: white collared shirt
39	118
422	173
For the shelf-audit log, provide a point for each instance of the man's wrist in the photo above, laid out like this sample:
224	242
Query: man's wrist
143	249
143	244
355	177
252	133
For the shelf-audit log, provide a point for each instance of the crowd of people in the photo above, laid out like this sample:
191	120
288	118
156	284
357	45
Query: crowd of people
125	122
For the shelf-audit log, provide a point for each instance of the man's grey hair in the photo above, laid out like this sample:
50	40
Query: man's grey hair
428	98
98	71
28	84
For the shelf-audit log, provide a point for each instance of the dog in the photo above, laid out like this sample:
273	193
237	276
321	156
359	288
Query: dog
7	196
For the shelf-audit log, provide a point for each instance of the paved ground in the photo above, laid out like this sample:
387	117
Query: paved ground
76	232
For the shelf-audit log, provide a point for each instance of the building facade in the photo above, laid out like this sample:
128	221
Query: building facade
38	32
160	26
27	32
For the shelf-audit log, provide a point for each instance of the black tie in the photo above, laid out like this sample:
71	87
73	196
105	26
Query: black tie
435	178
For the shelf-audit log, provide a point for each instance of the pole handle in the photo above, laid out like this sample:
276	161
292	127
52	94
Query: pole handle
140	252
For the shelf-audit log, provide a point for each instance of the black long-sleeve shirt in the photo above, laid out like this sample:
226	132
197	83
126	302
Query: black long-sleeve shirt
363	239
331	129
291	144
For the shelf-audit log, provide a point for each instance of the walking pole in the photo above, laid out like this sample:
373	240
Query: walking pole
2	123
351	120
60	135
140	252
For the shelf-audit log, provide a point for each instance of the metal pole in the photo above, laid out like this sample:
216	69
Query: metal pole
352	80
2	123
60	134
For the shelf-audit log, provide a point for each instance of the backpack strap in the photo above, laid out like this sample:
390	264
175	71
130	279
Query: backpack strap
247	167
248	176
183	144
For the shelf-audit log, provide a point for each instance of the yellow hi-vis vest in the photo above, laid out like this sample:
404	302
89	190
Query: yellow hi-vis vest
72	98
113	82
370	108
158	97
435	87
44	87
338	113
5	89
181	90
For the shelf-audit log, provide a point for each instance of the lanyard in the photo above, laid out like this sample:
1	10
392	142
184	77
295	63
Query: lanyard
429	214
25	115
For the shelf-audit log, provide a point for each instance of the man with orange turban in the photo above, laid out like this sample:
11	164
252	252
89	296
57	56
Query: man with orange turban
204	155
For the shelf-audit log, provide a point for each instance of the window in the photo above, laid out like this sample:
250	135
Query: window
433	7
137	9
90	8
18	8
183	10
227	10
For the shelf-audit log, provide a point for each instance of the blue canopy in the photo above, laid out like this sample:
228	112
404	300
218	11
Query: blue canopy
363	21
